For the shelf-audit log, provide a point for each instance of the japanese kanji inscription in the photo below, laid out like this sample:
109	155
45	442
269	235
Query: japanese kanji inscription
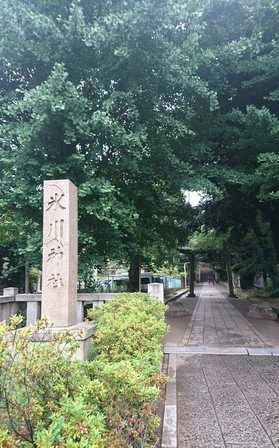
59	294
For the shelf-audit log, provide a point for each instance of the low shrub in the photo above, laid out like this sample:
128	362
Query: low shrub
130	327
264	293
127	354
50	401
274	293
260	293
39	383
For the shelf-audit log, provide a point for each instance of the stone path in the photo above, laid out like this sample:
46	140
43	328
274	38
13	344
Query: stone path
216	400
216	323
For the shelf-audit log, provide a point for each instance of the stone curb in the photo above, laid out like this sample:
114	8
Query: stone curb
169	431
202	350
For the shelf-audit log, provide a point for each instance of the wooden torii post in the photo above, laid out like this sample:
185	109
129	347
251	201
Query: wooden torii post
191	260
192	275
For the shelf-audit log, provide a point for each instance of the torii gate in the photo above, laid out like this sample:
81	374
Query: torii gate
191	260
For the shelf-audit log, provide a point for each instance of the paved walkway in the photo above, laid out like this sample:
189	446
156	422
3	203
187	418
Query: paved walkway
224	376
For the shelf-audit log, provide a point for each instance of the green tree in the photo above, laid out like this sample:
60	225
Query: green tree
103	94
240	138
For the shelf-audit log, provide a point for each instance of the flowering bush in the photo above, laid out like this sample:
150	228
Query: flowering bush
130	327
39	383
127	350
47	400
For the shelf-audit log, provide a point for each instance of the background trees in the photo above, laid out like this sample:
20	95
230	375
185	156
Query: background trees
134	102
240	43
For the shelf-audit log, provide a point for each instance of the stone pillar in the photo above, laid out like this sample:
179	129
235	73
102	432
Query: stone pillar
59	286
33	312
9	292
156	290
80	311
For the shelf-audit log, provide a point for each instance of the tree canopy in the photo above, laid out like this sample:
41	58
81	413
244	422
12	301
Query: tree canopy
134	102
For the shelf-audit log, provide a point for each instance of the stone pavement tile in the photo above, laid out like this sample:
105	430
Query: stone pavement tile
212	409
194	350
242	445
256	380
268	370
225	350
216	322
233	388
259	351
197	422
238	423
178	324
169	436
226	401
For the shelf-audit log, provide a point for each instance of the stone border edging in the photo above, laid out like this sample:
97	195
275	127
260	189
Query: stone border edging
169	434
202	350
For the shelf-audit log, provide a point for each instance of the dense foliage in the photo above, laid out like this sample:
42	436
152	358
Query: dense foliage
135	101
242	135
48	400
97	92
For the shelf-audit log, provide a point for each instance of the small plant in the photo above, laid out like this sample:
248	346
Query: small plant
22	321
274	293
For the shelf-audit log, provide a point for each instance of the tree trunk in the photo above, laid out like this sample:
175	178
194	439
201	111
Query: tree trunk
27	278
229	273
134	277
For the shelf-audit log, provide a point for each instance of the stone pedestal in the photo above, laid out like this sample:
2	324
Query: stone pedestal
59	288
261	311
85	341
176	309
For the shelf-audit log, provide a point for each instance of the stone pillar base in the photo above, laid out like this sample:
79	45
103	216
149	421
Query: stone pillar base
10	292
191	295
85	342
